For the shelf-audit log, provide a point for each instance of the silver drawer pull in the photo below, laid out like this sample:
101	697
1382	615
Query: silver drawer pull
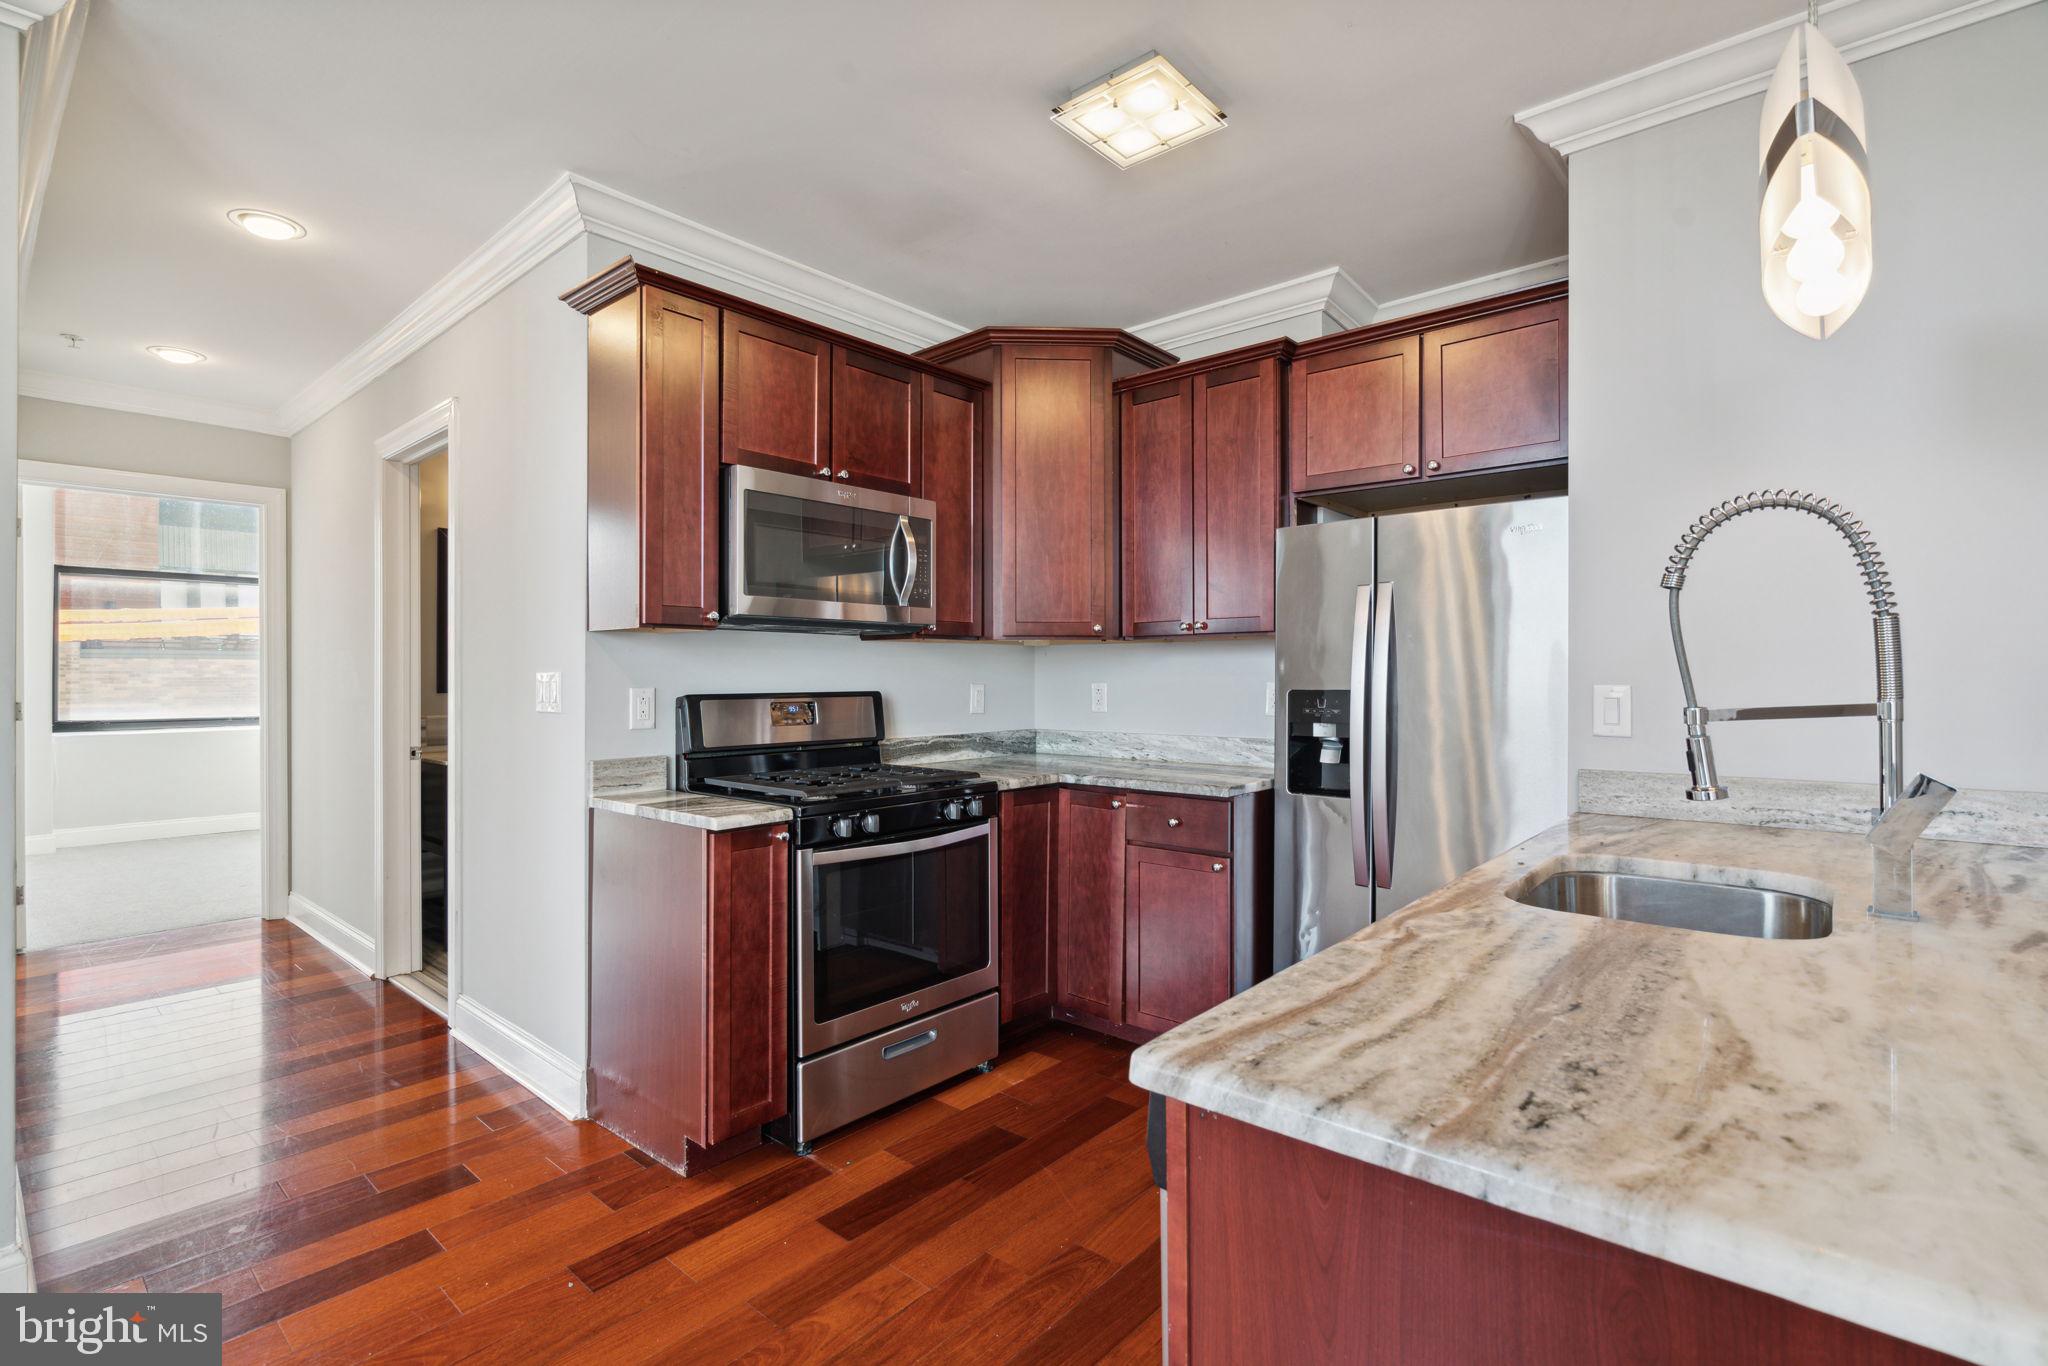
1173	820
910	1045
1215	867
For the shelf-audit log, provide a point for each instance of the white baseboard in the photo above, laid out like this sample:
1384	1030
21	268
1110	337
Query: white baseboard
541	1069
79	835
39	844
331	930
17	1272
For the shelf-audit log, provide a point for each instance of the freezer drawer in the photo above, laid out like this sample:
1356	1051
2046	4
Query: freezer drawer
836	1088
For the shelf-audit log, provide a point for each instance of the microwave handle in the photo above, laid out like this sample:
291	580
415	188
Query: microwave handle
910	561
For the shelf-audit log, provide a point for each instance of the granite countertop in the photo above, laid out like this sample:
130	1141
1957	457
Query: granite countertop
1857	1123
698	809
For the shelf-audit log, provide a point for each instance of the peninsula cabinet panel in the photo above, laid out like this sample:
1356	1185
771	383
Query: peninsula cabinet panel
1493	391
653	462
1176	936
1056	493
877	440
1237	496
1090	929
747	968
777	398
1156	432
1356	415
1027	854
951	415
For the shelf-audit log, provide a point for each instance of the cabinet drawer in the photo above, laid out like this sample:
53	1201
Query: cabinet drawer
1195	823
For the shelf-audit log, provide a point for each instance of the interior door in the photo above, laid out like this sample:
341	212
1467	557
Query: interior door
1466	751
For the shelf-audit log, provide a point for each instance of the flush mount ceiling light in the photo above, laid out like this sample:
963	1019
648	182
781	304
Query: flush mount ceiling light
176	355
1814	218
271	227
1139	111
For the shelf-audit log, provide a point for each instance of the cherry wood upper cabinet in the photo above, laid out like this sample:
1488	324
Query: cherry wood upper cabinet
1028	856
1156	426
777	398
653	462
1356	415
1052	554
877	439
951	418
1201	483
1090	931
1176	935
1493	391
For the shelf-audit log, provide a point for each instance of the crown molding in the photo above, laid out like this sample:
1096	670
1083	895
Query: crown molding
22	15
128	398
1737	67
1328	293
724	261
1478	287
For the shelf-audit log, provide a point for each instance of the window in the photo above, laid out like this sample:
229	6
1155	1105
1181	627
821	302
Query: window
158	620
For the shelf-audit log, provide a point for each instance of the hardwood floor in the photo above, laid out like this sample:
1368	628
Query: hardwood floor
233	1109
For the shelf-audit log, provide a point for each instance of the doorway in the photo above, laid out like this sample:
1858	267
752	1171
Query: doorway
417	726
150	728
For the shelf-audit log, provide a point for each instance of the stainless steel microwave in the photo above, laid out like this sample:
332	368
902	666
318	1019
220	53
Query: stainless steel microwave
805	554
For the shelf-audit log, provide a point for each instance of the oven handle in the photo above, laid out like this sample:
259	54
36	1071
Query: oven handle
890	848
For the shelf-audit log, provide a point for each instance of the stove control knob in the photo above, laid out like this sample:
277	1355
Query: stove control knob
872	823
842	827
955	810
975	808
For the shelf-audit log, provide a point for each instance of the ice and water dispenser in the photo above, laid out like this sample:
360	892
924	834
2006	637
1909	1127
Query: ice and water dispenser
1319	741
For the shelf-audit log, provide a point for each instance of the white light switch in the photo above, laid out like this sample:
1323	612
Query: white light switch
640	709
1613	710
547	692
1098	697
977	699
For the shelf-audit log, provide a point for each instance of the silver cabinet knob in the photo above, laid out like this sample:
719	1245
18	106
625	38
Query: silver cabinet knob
1187	626
1435	465
1215	867
782	835
1173	820
1407	469
1201	626
1115	804
825	473
1097	628
711	616
845	474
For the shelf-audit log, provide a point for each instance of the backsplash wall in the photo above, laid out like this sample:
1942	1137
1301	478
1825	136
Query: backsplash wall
1168	687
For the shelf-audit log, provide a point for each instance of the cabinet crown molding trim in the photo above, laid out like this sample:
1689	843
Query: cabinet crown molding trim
1280	348
1501	282
1115	338
21	15
1329	292
1738	67
93	393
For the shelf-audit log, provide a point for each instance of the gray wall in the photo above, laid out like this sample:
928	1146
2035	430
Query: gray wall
1924	416
1197	687
71	434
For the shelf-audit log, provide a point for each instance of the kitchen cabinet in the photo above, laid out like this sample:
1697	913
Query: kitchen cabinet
1089	921
777	400
1051	555
1176	935
1027	853
689	934
1493	391
953	419
1356	414
877	436
1201	493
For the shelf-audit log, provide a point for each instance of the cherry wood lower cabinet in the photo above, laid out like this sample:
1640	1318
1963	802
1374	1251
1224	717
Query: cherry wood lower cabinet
1277	1250
1028	854
1176	936
1089	921
689	1001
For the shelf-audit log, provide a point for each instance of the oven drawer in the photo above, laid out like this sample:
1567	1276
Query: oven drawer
836	1088
1198	824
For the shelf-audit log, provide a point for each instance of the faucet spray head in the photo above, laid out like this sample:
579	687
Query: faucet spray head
1699	759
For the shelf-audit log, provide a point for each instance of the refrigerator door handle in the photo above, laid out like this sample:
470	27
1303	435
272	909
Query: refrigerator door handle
1361	657
1380	744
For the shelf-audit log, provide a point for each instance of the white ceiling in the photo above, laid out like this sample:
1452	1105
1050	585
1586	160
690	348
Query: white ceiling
905	147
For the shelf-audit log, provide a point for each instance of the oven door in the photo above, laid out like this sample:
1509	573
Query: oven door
804	551
886	932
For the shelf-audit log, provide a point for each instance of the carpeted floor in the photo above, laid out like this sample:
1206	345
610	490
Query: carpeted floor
112	891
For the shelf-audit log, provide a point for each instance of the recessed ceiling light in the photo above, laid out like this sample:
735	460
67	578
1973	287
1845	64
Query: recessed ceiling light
271	227
176	355
1139	111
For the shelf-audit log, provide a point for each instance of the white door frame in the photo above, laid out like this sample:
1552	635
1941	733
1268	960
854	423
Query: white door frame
395	676
274	726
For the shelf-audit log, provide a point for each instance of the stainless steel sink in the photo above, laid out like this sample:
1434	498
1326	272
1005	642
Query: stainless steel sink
1716	908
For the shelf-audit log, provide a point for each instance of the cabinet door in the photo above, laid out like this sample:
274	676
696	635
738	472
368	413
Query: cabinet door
1057	495
877	440
951	416
1025	880
1237	496
777	397
1493	391
1176	935
746	972
1355	415
1090	974
1155	432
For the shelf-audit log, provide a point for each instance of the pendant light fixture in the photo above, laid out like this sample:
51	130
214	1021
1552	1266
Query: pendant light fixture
1814	216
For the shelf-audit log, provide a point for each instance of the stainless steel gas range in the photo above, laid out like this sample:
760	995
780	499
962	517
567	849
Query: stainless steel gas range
893	871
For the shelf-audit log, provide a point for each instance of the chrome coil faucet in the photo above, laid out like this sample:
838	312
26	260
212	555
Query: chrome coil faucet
1892	838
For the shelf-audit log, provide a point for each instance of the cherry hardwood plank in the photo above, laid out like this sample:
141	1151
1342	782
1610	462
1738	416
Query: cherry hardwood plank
271	1305
620	1260
1103	1318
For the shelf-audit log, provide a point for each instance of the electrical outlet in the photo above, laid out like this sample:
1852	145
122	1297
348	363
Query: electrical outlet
1098	697
547	692
977	699
1613	709
640	709
1269	698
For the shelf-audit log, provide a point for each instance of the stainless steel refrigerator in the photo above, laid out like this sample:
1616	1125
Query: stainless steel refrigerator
1421	707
